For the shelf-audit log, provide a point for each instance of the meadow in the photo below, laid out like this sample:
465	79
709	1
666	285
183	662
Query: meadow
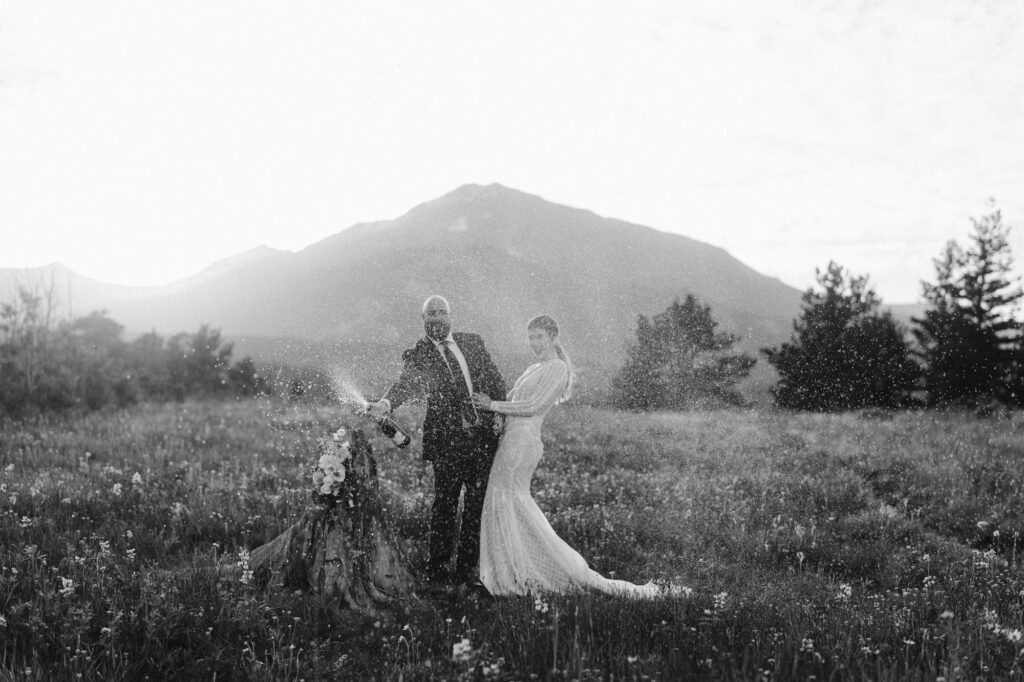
868	546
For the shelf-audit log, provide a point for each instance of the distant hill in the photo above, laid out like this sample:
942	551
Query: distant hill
499	255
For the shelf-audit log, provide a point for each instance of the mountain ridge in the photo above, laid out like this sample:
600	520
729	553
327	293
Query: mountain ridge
500	255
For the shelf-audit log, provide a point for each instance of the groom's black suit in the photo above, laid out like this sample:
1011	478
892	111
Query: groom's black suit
461	455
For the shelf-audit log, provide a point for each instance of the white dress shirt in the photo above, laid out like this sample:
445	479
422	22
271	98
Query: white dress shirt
457	352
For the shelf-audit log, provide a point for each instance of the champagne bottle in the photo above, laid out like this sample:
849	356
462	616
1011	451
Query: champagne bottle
391	429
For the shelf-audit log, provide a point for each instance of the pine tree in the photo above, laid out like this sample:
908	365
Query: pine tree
678	359
844	353
969	336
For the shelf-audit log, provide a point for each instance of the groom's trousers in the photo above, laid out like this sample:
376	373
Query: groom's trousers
467	464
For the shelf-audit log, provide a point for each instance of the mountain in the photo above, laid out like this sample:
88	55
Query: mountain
71	294
499	255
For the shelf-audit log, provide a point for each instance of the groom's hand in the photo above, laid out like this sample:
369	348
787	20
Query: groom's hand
381	408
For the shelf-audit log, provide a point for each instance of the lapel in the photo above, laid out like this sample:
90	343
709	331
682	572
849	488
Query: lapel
432	359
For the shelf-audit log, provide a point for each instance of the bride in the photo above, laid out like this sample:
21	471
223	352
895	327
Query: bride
519	551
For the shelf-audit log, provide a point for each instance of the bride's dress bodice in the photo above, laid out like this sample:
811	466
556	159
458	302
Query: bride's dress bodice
529	401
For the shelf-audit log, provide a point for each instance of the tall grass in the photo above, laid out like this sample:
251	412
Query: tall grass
870	546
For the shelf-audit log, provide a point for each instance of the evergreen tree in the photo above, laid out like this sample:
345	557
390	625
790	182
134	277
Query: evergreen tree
678	359
844	353
969	337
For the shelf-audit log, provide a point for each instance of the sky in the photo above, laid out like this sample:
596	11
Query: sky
142	141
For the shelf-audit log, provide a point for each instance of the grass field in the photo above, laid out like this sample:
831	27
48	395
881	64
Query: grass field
871	546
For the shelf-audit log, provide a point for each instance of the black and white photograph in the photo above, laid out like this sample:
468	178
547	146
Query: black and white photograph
453	340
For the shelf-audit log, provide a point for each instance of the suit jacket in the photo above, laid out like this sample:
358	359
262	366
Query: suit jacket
425	374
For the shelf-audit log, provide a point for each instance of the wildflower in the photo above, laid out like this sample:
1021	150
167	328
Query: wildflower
3	622
116	490
807	644
25	522
65	500
845	591
1013	635
462	650
946	615
67	586
720	600
243	563
104	548
137	479
982	525
540	606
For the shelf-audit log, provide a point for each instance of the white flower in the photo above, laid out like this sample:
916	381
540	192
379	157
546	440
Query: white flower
540	606
845	591
946	615
68	586
116	490
807	644
137	479
3	622
1013	635
243	563
462	650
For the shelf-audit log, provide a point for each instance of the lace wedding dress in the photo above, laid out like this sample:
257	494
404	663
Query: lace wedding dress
519	551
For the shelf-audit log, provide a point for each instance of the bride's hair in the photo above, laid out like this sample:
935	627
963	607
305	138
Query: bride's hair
548	324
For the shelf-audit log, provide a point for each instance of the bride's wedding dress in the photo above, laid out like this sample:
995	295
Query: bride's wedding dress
519	551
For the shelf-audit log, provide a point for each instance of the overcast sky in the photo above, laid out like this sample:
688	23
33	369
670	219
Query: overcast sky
141	141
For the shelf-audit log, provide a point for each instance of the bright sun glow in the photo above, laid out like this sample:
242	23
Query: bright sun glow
143	141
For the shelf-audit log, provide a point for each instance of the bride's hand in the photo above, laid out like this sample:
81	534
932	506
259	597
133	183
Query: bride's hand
481	401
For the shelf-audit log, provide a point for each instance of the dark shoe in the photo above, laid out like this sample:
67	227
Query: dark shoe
475	589
436	583
436	577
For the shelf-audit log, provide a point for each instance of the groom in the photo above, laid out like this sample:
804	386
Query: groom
447	368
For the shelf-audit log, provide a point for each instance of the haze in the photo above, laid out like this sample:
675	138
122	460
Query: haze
139	142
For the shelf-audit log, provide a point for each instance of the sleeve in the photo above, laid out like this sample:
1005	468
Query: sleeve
491	382
549	388
411	382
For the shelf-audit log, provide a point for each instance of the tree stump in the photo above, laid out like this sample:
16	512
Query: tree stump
342	547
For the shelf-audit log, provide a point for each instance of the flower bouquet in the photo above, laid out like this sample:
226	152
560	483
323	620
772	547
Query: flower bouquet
330	470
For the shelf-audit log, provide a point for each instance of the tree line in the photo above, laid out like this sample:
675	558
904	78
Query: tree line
845	352
46	365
